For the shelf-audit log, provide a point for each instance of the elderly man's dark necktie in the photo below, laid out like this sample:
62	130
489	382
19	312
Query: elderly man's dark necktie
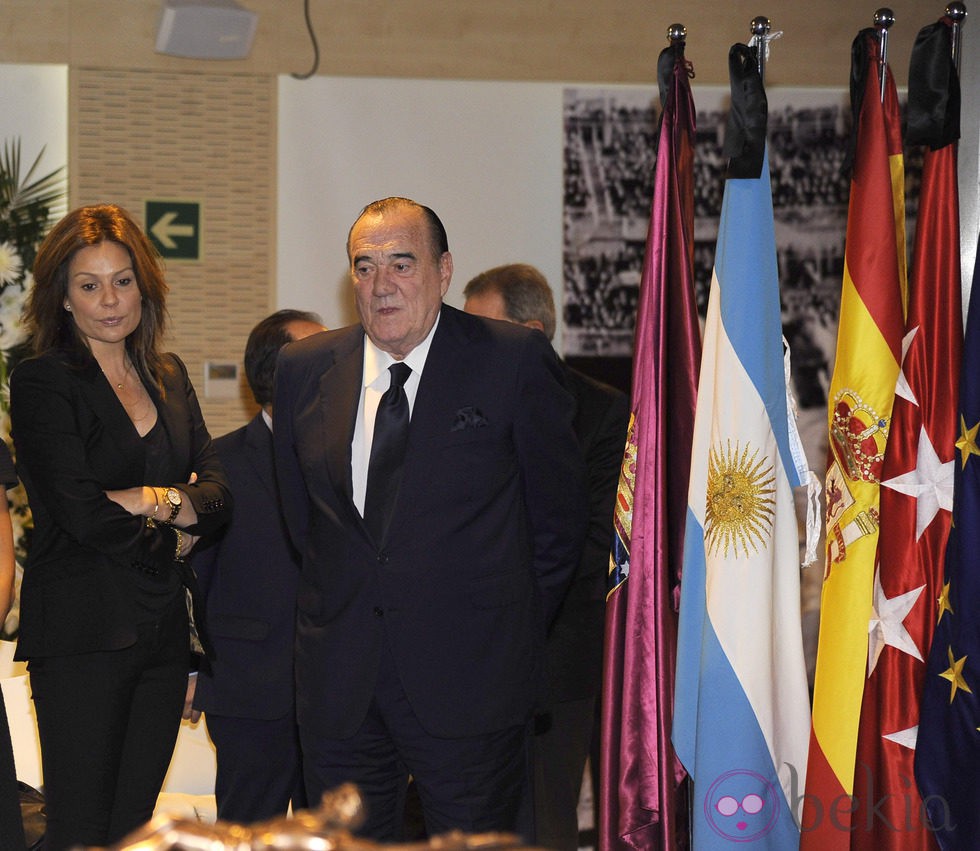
387	452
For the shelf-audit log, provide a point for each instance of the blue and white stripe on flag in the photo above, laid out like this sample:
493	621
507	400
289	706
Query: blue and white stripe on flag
741	711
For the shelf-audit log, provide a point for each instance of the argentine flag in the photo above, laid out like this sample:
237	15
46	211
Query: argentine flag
741	707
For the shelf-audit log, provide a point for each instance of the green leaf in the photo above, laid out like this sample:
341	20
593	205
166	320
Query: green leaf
29	205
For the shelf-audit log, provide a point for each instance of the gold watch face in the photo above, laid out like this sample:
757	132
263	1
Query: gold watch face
173	497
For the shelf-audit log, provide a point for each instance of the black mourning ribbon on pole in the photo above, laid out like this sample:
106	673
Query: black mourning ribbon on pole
861	57
934	89
387	452
666	62
745	135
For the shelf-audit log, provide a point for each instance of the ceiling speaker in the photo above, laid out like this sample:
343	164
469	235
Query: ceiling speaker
205	29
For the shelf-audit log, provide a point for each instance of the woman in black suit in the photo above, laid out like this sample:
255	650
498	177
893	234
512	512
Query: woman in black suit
11	826
122	481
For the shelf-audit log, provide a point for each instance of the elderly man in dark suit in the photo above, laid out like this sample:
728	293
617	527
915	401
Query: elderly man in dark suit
422	610
249	580
518	292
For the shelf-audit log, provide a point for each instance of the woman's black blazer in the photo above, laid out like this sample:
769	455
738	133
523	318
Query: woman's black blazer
73	441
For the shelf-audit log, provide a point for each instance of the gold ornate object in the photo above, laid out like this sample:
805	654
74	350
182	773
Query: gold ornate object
325	829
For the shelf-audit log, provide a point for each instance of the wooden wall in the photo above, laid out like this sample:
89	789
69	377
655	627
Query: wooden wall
603	41
139	135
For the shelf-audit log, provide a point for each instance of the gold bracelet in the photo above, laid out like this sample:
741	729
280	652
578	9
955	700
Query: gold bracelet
180	543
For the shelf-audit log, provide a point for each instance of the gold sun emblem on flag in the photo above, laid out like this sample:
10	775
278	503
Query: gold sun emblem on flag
741	499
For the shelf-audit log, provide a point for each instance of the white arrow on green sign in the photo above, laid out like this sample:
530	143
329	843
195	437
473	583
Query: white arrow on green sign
174	227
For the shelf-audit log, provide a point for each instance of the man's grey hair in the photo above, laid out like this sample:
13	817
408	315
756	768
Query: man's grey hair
524	290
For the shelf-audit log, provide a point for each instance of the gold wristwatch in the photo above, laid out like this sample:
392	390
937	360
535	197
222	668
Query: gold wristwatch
174	500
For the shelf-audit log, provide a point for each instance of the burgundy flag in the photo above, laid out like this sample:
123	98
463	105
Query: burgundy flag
640	800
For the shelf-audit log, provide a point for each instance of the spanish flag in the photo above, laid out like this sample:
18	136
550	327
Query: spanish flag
866	369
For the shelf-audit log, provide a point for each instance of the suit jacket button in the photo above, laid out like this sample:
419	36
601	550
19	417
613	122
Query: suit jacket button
379	612
382	557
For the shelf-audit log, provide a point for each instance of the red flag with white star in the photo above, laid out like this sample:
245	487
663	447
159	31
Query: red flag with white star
916	505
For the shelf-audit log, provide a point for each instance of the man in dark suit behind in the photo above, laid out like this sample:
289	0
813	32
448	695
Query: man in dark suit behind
418	647
249	580
564	727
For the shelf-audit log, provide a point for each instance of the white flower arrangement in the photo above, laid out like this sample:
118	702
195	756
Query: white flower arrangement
28	207
10	264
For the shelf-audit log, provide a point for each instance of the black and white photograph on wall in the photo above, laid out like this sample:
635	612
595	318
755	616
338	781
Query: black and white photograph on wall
610	144
610	138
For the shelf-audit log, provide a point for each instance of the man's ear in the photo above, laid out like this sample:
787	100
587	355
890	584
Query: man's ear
446	270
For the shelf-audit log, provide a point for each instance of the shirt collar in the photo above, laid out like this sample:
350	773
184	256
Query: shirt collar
376	361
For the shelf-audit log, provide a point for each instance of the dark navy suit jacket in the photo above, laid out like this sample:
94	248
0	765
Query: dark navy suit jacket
485	535
248	579
574	654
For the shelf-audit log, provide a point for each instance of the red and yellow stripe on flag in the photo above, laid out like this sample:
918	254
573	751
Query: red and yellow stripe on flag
917	482
862	390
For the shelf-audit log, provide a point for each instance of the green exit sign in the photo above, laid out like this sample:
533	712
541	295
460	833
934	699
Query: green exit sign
174	227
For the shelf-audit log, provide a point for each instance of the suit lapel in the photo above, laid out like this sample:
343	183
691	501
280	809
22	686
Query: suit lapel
258	452
174	415
340	390
446	369
95	387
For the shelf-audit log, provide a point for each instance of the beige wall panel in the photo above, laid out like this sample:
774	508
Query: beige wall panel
32	31
122	34
138	136
579	40
615	41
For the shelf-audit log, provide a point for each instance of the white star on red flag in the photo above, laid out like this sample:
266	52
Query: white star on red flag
902	388
905	738
886	626
930	484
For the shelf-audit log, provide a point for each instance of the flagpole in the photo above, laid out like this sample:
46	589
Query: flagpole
884	18
956	12
759	27
677	36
